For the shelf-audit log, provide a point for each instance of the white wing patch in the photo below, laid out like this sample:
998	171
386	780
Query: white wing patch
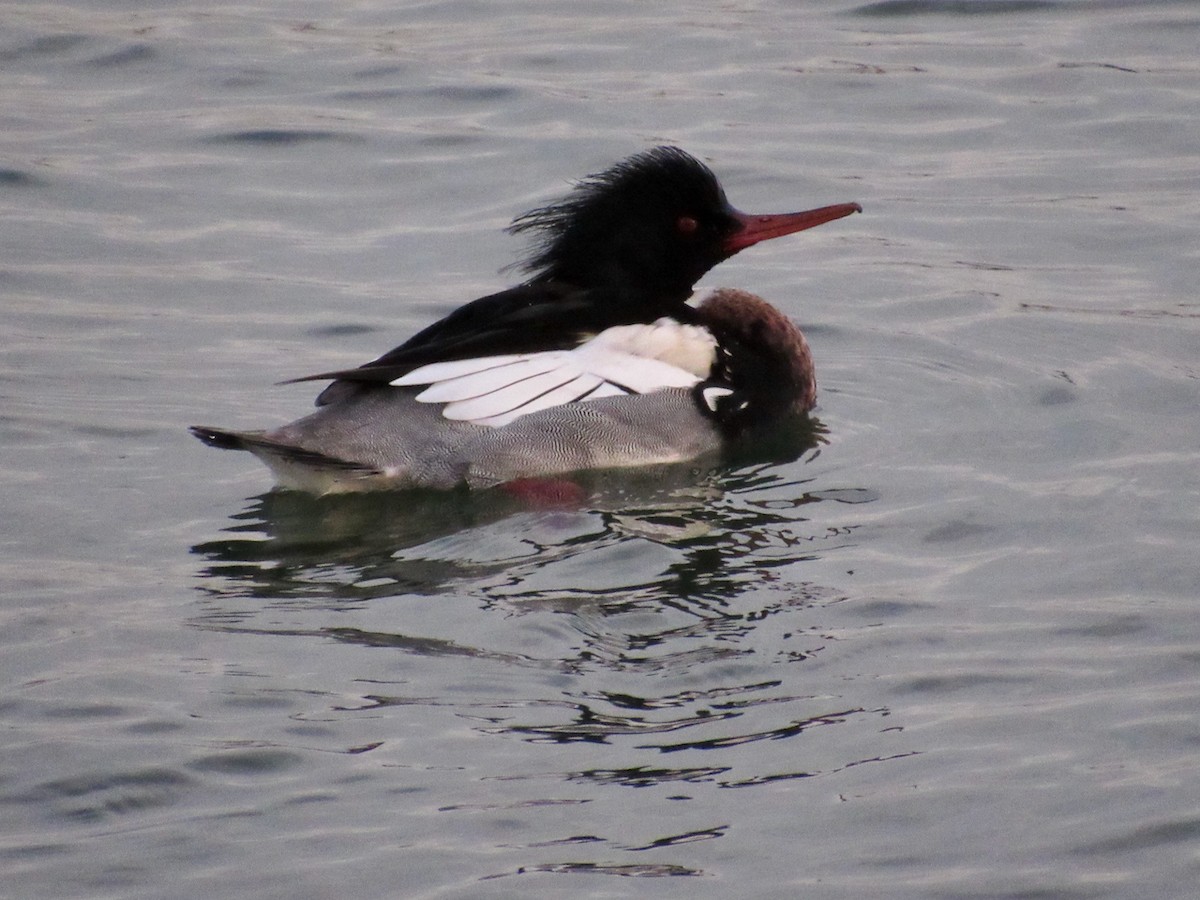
713	395
626	359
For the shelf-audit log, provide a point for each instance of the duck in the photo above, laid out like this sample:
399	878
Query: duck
604	357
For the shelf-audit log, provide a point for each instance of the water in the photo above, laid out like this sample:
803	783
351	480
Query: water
952	651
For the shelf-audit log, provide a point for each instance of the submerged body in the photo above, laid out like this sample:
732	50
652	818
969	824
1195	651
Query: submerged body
597	362
387	439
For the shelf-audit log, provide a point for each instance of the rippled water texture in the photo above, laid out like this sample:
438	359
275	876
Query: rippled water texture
945	649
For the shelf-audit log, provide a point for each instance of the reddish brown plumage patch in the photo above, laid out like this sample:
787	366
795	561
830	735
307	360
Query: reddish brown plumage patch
756	323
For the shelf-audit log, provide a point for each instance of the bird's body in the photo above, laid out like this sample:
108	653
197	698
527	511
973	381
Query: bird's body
597	361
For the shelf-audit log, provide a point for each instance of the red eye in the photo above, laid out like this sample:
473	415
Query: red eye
686	225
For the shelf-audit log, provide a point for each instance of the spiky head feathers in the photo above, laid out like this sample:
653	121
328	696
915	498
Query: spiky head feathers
658	219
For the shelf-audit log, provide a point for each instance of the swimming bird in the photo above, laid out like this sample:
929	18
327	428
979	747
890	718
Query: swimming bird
597	360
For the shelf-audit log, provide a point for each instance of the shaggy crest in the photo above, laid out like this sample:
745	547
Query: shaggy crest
664	181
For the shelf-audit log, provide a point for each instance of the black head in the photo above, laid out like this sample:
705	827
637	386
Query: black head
655	222
649	227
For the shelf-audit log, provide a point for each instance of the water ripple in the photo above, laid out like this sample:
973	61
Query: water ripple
92	798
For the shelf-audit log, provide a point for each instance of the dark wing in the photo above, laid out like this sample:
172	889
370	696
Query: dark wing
541	315
518	320
487	319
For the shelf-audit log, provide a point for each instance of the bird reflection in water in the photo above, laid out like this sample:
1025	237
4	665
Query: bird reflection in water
679	571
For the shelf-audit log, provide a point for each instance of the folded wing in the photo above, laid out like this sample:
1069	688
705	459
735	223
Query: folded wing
626	359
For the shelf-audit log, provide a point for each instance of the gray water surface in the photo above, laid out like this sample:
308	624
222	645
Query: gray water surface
951	650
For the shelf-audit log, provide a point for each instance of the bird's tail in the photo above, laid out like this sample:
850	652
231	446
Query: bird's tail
264	447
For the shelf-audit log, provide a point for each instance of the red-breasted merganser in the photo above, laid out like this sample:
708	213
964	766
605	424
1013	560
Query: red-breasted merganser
596	361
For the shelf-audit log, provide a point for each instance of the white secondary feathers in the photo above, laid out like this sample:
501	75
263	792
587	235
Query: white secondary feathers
625	359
